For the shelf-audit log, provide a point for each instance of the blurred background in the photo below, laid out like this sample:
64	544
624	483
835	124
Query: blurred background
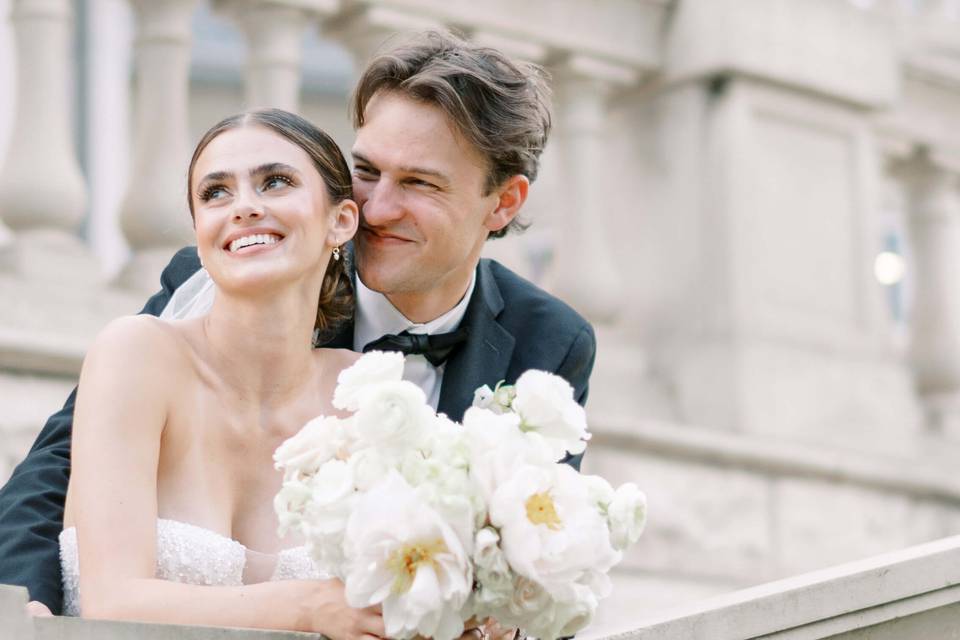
756	202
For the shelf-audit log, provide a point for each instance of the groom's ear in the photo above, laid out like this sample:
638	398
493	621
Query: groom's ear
344	220
511	194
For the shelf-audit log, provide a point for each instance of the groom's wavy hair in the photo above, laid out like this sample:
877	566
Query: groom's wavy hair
502	107
336	303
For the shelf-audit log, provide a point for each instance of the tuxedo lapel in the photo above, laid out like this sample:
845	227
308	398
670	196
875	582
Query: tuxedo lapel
485	356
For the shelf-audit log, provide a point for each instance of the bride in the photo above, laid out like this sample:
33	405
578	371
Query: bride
177	420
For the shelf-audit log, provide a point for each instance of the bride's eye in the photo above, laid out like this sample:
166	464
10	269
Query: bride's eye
212	192
276	182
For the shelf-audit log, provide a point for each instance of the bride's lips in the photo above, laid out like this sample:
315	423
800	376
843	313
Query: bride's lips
274	236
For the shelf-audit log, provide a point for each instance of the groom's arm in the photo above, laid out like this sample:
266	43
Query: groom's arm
31	503
576	368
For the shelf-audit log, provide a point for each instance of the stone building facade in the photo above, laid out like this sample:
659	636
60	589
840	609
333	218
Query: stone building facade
730	194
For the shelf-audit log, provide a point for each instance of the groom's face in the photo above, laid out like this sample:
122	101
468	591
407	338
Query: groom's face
424	214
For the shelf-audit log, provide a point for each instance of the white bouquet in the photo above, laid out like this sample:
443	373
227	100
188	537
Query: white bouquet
439	522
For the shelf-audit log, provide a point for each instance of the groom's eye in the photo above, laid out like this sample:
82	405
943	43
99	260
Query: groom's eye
364	172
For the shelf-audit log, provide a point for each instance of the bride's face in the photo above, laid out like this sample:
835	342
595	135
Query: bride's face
261	211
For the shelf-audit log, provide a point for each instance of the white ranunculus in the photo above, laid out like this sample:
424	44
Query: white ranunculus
404	556
369	370
497	400
317	442
627	515
600	492
394	417
551	531
482	397
546	405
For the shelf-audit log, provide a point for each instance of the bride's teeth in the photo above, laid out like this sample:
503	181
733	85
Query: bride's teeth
246	241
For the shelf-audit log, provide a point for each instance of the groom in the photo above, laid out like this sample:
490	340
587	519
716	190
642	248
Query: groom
449	137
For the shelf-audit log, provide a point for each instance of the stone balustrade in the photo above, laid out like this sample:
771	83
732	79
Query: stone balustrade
710	199
912	593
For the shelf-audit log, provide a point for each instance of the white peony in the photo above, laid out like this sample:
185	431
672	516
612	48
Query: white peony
545	404
394	417
369	370
627	515
404	556
497	447
318	441
551	531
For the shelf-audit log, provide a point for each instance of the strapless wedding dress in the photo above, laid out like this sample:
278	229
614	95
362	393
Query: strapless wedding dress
194	555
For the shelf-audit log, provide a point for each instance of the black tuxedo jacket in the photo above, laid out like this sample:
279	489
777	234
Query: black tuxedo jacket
513	326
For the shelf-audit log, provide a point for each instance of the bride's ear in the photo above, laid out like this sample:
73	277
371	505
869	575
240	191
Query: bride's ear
345	217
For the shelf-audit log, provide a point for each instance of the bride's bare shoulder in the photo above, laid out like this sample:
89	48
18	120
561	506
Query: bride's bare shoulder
137	338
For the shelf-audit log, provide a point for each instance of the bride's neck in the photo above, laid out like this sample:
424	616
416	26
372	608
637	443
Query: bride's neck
262	345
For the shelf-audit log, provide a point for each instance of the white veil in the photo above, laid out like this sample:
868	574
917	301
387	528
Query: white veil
191	299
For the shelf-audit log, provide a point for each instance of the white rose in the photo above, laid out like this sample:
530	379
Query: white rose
370	369
332	493
317	442
369	468
546	405
494	578
627	515
394	417
540	615
405	557
289	504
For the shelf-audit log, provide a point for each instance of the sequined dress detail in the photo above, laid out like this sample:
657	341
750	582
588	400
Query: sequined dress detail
191	554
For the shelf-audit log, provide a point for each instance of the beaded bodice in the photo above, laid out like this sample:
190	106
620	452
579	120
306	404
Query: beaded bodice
194	555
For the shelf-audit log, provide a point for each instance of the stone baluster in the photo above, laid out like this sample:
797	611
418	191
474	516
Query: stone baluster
274	33
365	32
934	212
43	196
583	272
154	215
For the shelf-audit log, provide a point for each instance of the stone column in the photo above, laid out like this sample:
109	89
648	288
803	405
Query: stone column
154	215
274	33
933	201
365	31
761	239
584	273
43	196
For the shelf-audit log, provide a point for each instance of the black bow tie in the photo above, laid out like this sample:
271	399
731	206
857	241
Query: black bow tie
435	348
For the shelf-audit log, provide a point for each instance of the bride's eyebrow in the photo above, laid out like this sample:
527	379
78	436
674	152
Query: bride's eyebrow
273	167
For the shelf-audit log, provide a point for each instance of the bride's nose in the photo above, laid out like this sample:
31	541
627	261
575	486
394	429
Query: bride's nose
246	207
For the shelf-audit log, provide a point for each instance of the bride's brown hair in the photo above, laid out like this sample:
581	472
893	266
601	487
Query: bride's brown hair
336	303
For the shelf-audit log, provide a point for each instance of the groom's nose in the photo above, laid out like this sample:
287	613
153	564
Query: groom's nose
383	204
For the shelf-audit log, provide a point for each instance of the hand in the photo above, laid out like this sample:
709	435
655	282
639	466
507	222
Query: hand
330	615
489	630
37	609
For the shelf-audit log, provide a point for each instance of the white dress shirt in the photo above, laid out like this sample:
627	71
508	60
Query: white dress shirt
377	317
